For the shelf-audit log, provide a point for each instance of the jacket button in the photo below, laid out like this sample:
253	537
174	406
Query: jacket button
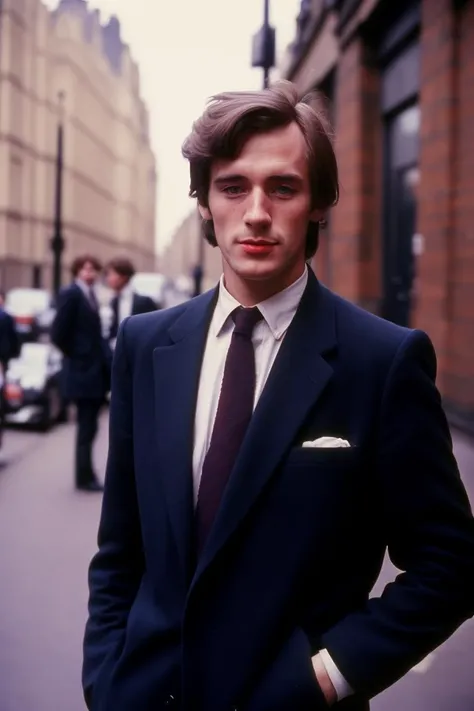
170	701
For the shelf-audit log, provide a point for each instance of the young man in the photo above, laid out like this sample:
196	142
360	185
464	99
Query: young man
125	302
268	442
77	332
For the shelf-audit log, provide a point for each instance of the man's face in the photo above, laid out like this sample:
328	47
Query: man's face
88	273
260	204
115	281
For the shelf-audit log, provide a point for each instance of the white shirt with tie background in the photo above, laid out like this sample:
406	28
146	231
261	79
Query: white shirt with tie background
124	307
278	312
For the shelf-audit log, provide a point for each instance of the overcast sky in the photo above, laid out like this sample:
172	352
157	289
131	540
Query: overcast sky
188	50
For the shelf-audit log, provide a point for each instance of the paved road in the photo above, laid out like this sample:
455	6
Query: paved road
47	536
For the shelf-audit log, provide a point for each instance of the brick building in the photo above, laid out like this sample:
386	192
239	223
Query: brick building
109	180
397	77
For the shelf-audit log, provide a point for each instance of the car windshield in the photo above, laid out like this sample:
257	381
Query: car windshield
27	300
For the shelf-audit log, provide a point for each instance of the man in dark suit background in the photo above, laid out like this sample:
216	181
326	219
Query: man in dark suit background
77	332
126	302
10	347
269	441
10	344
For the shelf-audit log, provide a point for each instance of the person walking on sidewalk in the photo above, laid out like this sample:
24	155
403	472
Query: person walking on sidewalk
268	442
77	332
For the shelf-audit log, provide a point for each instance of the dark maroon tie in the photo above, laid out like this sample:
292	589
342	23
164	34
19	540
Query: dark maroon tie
233	415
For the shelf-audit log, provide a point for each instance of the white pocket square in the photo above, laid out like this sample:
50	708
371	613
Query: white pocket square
327	442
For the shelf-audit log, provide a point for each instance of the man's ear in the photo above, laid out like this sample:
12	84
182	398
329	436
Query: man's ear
316	215
204	212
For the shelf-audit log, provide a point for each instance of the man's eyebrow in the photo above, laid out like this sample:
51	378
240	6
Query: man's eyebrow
234	177
228	178
287	177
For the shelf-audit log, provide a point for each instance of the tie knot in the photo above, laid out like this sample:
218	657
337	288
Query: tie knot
245	320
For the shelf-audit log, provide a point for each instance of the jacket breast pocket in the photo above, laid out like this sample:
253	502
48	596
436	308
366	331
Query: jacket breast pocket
319	491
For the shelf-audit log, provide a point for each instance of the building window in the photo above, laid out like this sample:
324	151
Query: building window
16	184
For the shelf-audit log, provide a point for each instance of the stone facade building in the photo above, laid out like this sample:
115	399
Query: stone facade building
187	249
109	180
397	78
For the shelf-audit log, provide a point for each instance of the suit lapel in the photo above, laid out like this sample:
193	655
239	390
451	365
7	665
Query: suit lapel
298	378
176	370
86	300
135	304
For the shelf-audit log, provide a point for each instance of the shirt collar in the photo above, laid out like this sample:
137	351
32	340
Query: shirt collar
126	292
84	287
277	311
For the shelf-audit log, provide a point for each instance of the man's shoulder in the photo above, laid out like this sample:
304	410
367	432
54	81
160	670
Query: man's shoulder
144	300
5	317
69	291
364	330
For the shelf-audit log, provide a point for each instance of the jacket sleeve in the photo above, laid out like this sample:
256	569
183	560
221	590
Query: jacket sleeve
117	567
429	531
62	327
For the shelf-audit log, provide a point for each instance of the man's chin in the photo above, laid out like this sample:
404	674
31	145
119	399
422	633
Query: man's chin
256	270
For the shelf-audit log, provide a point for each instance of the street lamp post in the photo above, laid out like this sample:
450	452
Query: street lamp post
263	45
198	271
57	241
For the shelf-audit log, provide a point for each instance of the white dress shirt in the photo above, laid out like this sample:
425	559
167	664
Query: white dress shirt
125	303
278	312
87	289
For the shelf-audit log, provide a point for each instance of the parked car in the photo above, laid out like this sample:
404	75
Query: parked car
33	388
33	311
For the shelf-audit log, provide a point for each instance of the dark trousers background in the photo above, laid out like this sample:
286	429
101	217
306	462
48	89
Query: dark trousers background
87	414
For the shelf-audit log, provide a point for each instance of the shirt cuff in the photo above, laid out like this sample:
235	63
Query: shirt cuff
340	684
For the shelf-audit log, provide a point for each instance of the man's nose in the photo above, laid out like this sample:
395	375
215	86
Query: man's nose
257	212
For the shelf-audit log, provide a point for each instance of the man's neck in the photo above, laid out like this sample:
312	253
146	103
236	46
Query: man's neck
85	284
252	291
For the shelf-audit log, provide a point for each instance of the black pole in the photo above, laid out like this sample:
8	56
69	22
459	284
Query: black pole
198	271
266	28
263	46
57	241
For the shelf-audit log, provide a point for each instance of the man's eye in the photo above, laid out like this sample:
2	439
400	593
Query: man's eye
285	190
232	190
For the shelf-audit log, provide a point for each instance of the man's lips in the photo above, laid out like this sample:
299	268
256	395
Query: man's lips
257	246
260	240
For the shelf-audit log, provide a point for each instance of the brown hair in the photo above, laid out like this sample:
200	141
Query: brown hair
82	260
122	266
232	117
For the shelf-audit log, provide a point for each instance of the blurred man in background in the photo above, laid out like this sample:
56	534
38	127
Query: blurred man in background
9	340
10	347
77	332
126	302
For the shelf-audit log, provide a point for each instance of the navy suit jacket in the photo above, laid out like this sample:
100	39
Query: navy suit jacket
301	534
141	304
77	332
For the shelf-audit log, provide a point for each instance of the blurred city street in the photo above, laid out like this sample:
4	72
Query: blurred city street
48	535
